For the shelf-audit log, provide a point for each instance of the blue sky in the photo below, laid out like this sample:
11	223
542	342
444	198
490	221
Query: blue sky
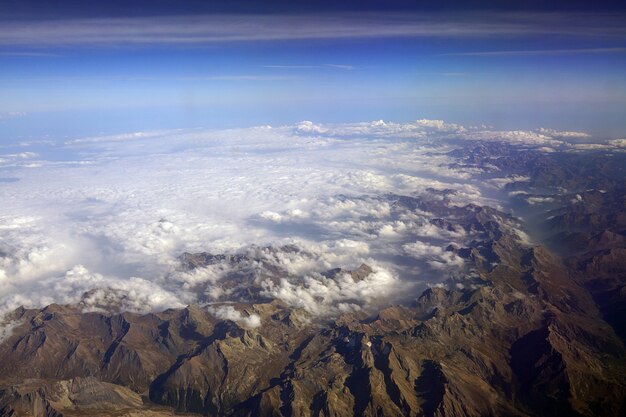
70	69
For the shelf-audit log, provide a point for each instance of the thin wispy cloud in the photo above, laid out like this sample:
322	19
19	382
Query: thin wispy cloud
190	30
339	66
245	77
618	50
28	54
291	66
11	115
334	66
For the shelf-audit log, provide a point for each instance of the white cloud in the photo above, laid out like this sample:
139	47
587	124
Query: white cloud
503	181
17	159
526	52
539	200
430	131
589	146
324	296
227	312
340	66
518	137
271	216
116	138
6	329
439	125
564	134
11	115
545	149
518	192
618	143
436	256
204	29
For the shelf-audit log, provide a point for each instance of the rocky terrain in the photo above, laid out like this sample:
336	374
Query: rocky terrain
526	329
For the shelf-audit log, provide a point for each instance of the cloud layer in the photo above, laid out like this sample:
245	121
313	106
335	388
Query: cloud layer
189	30
106	227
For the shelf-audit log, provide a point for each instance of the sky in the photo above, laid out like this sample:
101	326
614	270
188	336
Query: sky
74	68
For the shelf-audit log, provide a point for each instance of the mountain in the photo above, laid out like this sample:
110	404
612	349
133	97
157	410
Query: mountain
532	329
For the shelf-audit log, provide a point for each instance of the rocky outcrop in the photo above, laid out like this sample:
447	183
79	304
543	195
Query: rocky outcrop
74	397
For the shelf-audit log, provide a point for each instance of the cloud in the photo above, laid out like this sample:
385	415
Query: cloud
439	125
92	291
11	115
436	256
340	66
571	135
17	159
430	130
291	66
240	77
573	51
204	29
419	128
591	147
323	296
25	54
117	138
500	183
226	312
334	66
520	137
307	126
618	143
539	200
105	228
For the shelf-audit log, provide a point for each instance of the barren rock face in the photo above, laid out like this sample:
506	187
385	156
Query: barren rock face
537	330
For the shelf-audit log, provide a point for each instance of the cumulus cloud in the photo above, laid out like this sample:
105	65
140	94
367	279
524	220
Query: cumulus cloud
93	292
618	143
540	200
307	126
436	256
439	125
227	312
324	296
